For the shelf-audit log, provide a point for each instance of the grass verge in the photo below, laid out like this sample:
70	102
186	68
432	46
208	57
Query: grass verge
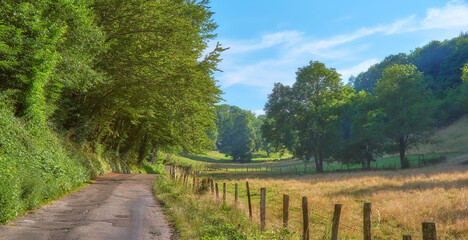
198	215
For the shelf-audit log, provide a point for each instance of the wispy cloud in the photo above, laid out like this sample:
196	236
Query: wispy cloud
356	69
267	41
454	14
247	63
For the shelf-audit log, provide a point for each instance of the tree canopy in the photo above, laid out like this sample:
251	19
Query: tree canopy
125	76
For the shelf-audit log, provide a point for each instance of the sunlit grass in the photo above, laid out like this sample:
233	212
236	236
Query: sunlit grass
401	200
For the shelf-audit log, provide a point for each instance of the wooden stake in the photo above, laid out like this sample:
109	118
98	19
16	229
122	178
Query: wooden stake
217	191
236	197
429	231
212	185
224	193
305	219
336	221
367	221
407	237
285	210
250	202
262	209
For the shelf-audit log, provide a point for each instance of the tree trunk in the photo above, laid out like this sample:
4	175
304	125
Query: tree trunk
142	149
361	158
320	161
318	164
402	149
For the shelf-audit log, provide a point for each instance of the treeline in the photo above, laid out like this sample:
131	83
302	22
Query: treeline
127	77
393	106
441	63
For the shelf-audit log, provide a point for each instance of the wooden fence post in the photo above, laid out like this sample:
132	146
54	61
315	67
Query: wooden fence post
236	197
224	193
429	231
336	222
262	209
407	237
285	210
212	185
217	191
248	197
305	219
367	221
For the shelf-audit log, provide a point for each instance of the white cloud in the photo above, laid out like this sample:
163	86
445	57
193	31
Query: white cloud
267	41
287	50
258	112
356	69
454	14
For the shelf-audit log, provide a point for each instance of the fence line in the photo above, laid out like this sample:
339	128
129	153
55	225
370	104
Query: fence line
428	228
310	167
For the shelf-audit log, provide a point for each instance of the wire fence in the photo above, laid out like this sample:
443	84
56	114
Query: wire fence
330	225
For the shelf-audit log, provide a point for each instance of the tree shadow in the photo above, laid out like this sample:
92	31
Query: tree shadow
417	185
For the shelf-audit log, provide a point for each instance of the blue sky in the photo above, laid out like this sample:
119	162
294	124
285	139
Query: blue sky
270	39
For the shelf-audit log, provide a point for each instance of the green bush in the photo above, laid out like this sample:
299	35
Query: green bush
35	165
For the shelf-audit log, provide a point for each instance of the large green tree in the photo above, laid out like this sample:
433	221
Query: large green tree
158	90
405	104
311	108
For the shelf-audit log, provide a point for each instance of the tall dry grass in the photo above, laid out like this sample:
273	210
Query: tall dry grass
401	200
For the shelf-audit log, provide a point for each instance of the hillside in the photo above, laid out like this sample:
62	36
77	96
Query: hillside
452	138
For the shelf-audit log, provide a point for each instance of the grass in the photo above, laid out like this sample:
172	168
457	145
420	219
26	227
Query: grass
401	200
447	140
196	217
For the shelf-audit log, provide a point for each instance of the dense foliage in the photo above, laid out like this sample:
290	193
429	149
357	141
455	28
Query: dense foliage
126	76
121	79
393	106
441	63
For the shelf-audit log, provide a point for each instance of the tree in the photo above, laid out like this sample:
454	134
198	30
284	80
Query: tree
309	111
158	90
362	137
402	99
278	128
236	132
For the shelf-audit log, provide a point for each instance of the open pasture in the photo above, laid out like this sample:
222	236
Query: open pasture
401	200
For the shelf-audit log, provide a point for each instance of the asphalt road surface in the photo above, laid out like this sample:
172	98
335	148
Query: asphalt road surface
116	206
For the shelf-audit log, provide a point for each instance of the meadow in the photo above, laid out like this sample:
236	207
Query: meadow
401	200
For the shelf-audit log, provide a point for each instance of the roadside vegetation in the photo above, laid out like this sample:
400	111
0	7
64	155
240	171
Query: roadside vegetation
93	86
196	217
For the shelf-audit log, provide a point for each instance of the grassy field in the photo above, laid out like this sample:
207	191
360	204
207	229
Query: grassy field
450	139
401	200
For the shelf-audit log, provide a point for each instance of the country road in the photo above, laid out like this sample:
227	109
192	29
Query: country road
116	206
